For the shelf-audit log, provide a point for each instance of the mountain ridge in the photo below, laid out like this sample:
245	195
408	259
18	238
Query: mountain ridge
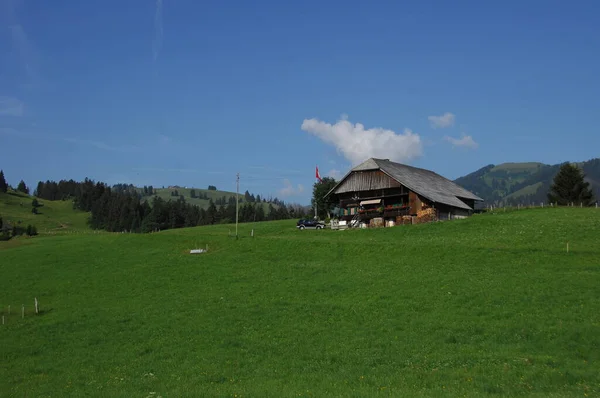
524	183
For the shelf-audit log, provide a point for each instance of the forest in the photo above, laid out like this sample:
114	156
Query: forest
124	208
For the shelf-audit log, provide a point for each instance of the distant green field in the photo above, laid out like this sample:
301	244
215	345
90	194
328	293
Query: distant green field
54	216
491	305
528	190
165	193
518	167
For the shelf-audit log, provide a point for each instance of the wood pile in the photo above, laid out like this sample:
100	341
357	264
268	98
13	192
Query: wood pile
426	215
403	220
376	222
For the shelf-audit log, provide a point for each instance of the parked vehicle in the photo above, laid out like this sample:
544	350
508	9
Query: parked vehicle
310	224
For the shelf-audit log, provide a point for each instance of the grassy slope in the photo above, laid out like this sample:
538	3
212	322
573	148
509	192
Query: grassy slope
528	190
488	305
522	180
518	167
165	194
53	217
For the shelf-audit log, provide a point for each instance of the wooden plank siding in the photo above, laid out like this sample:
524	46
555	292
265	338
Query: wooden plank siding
367	181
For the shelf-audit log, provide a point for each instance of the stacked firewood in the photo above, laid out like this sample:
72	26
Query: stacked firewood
376	222
403	220
426	215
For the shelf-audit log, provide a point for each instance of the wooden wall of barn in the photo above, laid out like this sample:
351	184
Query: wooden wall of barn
367	181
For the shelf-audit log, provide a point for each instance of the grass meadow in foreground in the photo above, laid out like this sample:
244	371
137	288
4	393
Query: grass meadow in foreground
491	305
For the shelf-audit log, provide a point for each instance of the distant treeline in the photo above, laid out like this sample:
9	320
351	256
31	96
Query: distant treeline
121	207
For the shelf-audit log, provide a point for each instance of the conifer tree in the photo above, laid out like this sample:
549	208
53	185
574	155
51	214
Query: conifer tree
569	187
3	184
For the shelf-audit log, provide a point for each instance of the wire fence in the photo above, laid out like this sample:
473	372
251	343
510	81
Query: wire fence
539	205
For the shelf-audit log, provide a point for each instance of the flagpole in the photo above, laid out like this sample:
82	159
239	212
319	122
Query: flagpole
318	178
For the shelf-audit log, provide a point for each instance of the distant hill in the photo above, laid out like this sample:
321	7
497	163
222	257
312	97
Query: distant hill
202	196
53	215
522	183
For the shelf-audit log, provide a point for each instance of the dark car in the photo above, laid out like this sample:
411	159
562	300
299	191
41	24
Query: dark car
310	224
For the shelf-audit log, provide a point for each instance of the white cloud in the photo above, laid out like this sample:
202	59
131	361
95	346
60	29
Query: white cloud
158	30
466	141
289	189
446	120
357	144
11	106
335	174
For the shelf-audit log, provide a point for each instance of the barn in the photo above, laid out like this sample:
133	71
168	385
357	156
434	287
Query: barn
386	192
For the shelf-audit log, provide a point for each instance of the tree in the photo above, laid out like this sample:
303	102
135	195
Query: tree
211	213
212	188
3	185
22	187
0	222
320	189
34	210
569	187
193	193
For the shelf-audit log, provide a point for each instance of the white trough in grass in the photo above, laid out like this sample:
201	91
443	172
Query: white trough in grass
199	251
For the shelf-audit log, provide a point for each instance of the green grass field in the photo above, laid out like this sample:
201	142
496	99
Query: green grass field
54	216
491	305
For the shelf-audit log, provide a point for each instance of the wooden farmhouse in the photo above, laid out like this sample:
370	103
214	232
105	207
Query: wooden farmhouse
383	192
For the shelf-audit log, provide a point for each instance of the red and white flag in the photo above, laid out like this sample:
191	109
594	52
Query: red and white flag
317	174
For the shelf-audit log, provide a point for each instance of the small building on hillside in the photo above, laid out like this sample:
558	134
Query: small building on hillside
382	191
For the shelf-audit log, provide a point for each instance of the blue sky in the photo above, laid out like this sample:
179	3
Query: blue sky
191	92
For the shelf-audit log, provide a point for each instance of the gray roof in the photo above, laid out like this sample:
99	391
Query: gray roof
424	182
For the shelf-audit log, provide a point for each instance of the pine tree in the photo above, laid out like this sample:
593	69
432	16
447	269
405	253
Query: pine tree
3	185
22	187
211	213
260	212
569	187
202	217
136	223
